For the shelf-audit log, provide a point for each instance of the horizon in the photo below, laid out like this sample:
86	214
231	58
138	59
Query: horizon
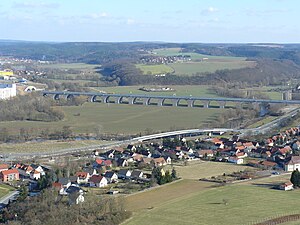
264	21
158	42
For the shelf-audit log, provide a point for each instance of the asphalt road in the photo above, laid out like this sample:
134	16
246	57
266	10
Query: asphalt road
4	201
260	130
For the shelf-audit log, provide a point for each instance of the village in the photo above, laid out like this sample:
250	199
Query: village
128	169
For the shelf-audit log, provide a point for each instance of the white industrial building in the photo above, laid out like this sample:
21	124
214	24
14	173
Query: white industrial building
8	91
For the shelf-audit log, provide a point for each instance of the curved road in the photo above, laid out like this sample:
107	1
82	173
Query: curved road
259	130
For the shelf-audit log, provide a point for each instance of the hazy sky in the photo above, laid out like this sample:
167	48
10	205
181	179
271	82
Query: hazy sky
151	20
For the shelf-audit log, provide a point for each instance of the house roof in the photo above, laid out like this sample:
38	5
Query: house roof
73	189
99	161
109	174
11	171
96	178
123	172
3	166
159	160
136	173
203	152
82	175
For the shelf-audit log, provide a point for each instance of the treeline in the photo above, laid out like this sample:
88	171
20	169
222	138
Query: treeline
49	208
237	91
29	107
266	72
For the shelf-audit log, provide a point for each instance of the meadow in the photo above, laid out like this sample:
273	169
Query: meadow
68	66
247	203
5	189
199	63
122	119
46	146
155	69
192	68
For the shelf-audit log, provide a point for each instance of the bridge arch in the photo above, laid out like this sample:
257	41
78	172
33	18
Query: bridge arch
30	89
70	97
56	97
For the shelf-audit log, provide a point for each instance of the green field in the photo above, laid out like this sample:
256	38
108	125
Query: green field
248	203
67	66
205	169
5	189
122	119
191	68
199	63
194	56
46	146
155	69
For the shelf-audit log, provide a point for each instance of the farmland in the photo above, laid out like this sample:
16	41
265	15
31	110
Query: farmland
199	64
46	146
192	68
189	184
155	69
255	202
122	119
206	169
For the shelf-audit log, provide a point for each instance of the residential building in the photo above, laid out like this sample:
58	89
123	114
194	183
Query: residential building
9	175
98	181
8	91
292	164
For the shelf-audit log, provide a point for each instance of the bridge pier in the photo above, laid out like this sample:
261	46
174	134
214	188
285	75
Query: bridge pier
146	101
131	100
105	99
119	100
222	104
175	102
190	103
160	102
93	98
205	104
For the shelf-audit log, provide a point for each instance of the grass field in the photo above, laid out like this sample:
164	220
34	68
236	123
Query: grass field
46	146
248	203
194	56
265	120
67	66
191	68
5	189
199	63
155	69
189	184
122	119
205	169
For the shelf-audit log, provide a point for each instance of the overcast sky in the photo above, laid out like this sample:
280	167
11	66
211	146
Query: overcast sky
151	20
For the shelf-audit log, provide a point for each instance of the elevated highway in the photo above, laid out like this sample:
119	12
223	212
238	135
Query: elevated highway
189	101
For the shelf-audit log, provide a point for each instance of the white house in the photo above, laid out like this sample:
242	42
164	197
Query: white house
124	173
111	177
292	164
35	175
286	186
8	91
235	160
82	177
98	181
